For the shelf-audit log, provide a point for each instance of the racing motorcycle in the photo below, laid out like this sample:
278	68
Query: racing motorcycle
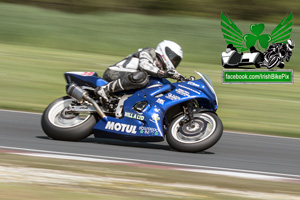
184	112
275	59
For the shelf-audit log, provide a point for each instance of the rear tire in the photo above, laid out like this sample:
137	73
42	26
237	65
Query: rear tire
71	127
206	131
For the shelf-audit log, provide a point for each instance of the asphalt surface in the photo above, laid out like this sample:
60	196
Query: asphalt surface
234	151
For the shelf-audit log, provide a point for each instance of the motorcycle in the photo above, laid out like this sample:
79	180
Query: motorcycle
232	59
274	59
184	113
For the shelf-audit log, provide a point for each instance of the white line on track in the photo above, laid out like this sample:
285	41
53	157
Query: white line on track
195	167
227	131
24	112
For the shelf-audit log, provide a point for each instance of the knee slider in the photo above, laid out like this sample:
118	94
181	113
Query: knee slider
138	77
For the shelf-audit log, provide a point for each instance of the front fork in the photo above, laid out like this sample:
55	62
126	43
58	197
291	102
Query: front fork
188	110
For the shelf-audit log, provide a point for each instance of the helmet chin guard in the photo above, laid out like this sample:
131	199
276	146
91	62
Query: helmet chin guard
170	53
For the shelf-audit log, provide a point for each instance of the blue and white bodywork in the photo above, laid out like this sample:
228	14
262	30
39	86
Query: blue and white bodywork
147	114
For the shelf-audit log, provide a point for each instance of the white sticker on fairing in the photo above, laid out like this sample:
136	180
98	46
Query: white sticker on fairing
155	117
120	127
193	84
189	89
134	116
160	101
172	97
182	92
148	130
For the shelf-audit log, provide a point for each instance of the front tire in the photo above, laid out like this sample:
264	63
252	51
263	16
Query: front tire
273	62
205	132
68	127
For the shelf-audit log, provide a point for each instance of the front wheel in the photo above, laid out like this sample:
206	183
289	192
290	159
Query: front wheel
203	133
60	125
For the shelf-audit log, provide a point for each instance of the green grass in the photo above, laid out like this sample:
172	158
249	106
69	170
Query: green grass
37	46
118	33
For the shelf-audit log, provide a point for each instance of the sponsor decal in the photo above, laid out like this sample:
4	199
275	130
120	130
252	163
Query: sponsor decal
182	92
121	127
134	116
148	130
87	73
83	73
160	101
197	92
163	57
157	110
155	117
193	84
172	97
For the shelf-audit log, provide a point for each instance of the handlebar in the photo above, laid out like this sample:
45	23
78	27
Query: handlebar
182	78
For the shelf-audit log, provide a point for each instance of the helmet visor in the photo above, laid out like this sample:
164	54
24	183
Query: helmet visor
175	59
290	43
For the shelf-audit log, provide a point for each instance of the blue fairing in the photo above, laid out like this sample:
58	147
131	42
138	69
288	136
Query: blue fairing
91	80
159	96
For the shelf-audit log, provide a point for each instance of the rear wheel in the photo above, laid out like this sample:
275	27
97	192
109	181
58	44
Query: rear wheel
203	133
60	125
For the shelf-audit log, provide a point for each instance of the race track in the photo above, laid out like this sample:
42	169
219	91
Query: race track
234	151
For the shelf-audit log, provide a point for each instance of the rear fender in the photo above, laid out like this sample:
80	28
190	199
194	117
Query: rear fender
89	79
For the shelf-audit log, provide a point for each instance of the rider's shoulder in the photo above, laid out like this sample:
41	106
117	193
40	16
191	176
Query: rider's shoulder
149	50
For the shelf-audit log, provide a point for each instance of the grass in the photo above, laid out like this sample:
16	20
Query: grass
141	182
37	46
119	34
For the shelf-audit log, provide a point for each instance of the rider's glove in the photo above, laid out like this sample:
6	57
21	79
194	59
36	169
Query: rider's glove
169	74
162	73
174	74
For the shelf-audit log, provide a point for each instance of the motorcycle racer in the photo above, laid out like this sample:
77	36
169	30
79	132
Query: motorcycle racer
132	72
284	51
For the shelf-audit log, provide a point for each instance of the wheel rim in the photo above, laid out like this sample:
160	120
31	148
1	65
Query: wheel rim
59	119
203	127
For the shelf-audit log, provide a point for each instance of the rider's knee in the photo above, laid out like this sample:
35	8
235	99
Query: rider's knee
140	78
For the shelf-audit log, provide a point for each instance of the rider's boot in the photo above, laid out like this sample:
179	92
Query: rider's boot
281	65
106	90
102	92
263	64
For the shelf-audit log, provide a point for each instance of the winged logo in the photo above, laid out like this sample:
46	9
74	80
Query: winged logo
233	35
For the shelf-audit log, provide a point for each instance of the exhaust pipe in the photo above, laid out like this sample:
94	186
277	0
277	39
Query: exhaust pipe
80	95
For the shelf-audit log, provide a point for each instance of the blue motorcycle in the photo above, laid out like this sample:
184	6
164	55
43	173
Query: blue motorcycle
184	113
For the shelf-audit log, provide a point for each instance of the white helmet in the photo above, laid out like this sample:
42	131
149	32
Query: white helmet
170	53
290	44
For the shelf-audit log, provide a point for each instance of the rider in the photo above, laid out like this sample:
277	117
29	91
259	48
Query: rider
132	72
284	49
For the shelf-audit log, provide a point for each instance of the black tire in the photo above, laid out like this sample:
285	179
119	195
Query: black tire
199	139
70	128
257	65
273	62
281	65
